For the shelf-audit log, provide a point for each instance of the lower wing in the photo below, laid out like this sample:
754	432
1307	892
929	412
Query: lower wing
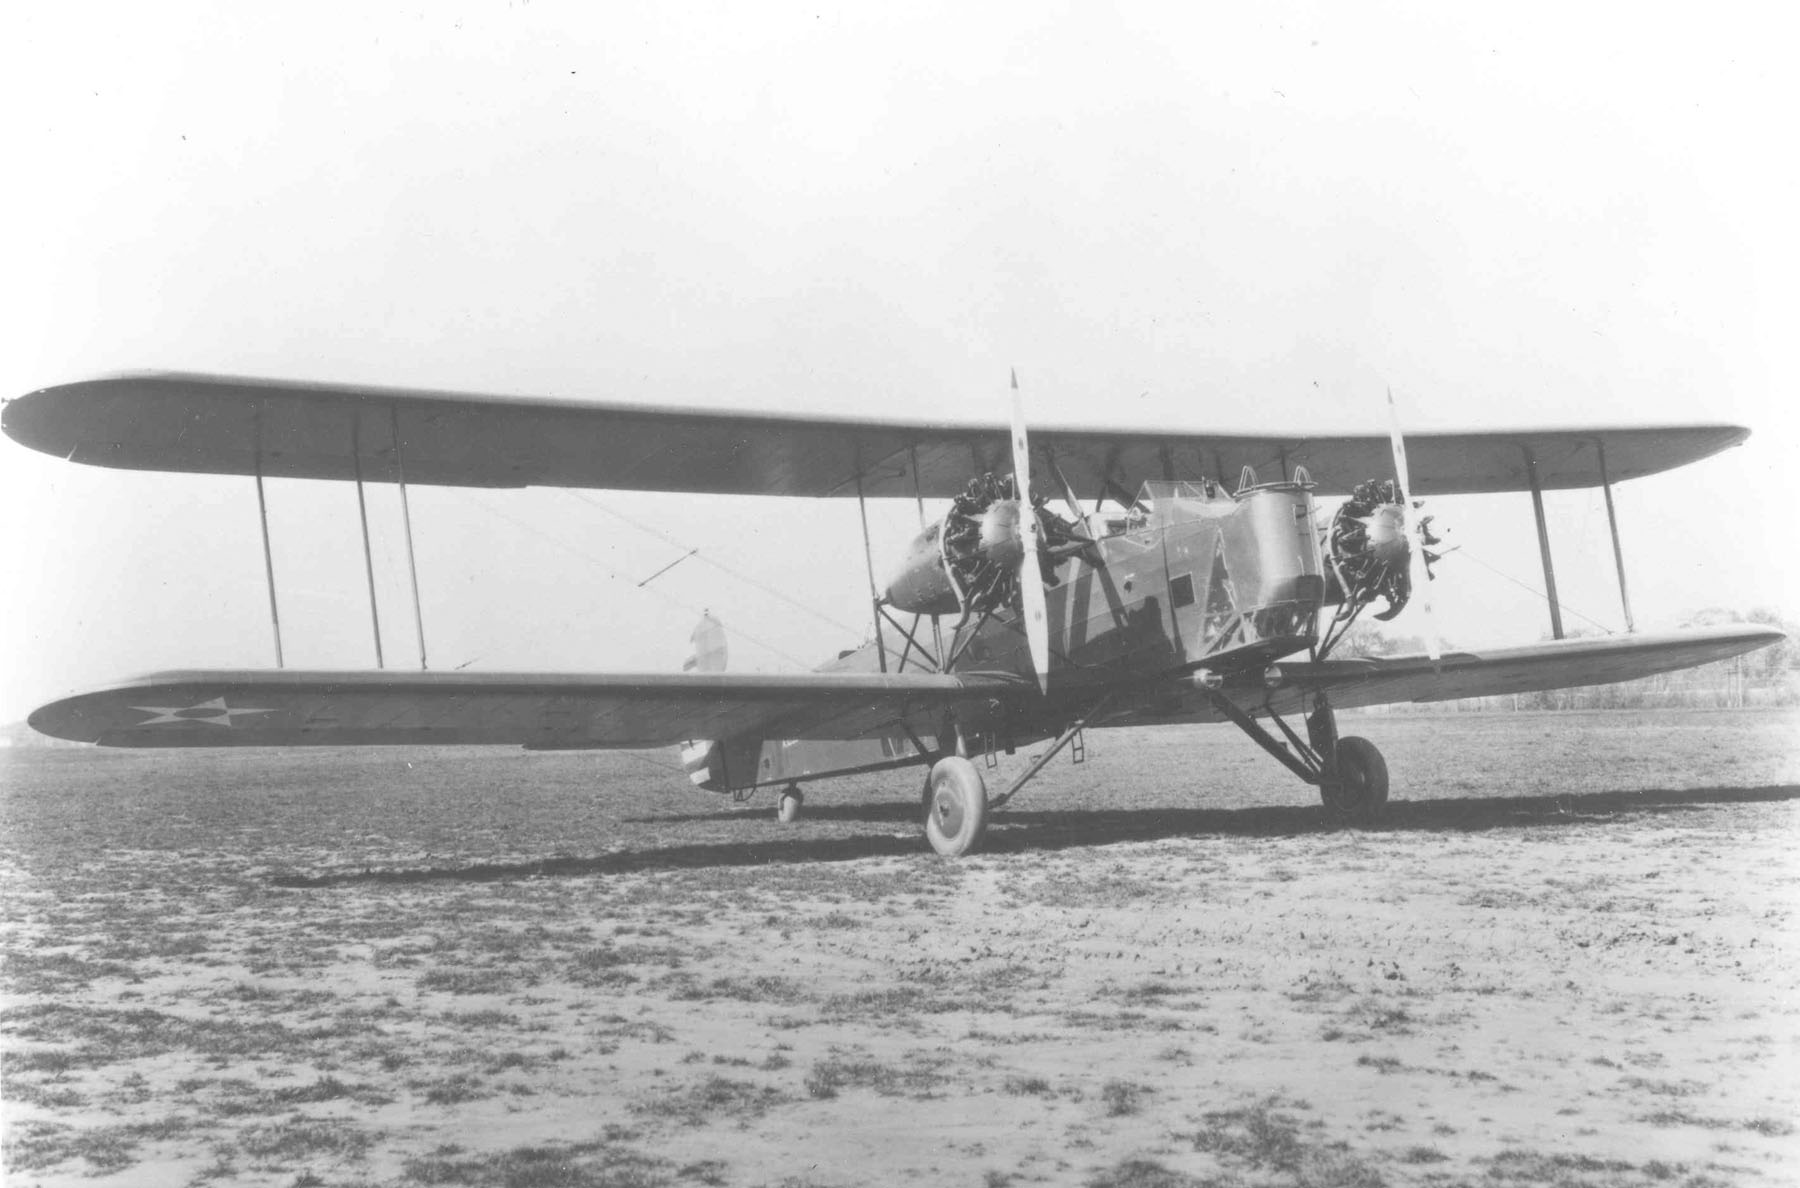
288	708
1553	665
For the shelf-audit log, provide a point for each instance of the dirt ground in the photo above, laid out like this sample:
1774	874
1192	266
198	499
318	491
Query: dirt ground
1567	958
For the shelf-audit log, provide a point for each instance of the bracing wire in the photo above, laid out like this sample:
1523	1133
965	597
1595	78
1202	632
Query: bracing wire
1463	551
701	555
614	575
1531	589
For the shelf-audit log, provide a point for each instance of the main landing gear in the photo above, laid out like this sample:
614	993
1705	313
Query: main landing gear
1350	774
1360	790
955	799
956	806
787	809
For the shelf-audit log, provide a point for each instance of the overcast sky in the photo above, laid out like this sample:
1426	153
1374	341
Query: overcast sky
1234	217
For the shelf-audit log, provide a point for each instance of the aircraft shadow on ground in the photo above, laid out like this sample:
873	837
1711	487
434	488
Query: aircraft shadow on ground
1024	831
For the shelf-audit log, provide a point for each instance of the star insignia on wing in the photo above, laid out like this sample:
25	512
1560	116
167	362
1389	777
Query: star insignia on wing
214	713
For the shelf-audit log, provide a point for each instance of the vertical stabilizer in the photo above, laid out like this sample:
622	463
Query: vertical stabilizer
704	760
710	652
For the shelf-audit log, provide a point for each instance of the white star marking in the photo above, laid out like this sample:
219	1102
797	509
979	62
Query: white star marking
214	713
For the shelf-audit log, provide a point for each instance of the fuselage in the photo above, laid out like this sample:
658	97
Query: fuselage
1191	576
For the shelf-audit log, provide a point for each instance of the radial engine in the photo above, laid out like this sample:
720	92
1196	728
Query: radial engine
968	562
1370	549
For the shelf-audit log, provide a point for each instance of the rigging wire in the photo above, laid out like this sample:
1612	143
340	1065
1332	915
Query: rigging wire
690	551
1529	588
643	758
1463	550
619	577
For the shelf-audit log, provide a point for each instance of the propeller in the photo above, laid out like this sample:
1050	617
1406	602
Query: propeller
1031	573
1417	531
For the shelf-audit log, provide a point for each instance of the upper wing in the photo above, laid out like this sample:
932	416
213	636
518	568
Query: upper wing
223	425
286	708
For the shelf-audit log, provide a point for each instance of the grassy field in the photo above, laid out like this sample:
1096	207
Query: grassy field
1567	958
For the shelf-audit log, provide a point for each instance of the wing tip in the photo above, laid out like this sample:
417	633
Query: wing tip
61	719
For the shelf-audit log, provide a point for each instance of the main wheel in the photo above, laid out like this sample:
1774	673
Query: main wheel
1361	790
787	809
956	807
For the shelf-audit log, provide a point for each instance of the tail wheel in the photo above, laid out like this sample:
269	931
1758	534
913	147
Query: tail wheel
955	807
787	809
1360	786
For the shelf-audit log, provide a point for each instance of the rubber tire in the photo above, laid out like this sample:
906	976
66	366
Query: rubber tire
787	809
956	807
1362	790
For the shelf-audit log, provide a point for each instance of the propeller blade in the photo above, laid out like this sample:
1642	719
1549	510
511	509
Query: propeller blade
1031	573
1398	441
1421	584
1415	532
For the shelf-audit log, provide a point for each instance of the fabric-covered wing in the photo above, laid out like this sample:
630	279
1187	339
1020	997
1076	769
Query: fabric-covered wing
287	708
223	425
1554	665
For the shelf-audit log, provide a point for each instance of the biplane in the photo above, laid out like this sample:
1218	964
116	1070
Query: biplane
1080	579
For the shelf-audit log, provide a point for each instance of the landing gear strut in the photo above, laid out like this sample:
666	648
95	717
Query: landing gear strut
955	797
1350	774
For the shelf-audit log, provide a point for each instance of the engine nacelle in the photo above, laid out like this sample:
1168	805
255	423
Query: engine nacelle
920	585
984	544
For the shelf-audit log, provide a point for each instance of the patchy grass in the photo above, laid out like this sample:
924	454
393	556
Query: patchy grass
304	1140
452	1090
1522	1167
1123	1098
1269	1137
713	1099
1144	1173
916	1078
596	1164
474	981
1423	1155
741	989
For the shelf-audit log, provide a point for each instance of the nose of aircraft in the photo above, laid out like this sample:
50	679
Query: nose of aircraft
1000	532
1387	534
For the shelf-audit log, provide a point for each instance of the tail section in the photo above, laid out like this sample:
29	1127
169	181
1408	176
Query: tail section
710	652
704	760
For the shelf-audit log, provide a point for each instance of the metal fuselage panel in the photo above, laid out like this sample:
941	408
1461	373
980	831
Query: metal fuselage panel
1192	578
